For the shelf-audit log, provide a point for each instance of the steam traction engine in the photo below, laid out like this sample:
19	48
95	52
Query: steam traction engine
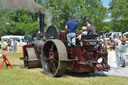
51	51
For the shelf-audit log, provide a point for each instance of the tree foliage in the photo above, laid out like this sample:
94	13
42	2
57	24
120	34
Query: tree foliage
119	15
21	21
18	22
92	10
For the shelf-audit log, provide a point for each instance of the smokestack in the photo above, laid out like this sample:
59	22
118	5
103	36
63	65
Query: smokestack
41	15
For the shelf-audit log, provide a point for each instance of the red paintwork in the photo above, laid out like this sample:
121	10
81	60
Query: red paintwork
40	46
24	50
81	58
6	61
63	36
83	54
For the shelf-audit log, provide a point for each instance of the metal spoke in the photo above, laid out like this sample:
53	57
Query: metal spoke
54	67
52	56
52	47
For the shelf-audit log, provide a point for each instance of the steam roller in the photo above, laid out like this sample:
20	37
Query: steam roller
49	49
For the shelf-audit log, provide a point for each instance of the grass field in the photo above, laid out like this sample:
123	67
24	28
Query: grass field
21	76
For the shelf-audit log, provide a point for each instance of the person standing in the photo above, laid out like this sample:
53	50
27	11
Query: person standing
14	45
9	44
3	45
90	28
71	28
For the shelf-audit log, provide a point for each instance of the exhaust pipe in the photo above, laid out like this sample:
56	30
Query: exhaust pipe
41	15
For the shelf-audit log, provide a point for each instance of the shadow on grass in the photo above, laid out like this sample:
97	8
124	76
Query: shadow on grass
81	75
19	66
85	74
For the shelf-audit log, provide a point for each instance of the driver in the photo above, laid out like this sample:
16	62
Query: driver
71	28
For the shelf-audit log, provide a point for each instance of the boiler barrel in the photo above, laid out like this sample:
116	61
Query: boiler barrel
40	46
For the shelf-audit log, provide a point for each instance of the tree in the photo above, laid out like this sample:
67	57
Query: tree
119	15
58	13
82	9
20	21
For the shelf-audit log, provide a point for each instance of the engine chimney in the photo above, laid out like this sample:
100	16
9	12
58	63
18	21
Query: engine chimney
41	15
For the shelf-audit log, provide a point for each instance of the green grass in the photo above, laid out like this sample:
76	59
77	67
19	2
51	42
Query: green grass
21	76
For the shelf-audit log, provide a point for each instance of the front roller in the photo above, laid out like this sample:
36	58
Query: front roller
54	57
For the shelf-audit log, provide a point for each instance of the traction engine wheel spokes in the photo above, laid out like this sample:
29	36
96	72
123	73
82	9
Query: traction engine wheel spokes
54	56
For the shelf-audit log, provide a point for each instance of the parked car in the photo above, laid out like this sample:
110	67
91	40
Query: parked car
19	39
113	35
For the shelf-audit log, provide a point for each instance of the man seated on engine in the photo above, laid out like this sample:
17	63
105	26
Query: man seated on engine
84	32
90	28
71	28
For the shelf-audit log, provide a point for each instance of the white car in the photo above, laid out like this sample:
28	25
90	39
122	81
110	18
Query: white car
113	35
20	39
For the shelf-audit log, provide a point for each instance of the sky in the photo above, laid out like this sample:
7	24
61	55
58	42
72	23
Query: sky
106	3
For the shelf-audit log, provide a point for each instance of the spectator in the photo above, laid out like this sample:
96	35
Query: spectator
14	44
101	38
0	43
9	44
120	52
117	42
3	46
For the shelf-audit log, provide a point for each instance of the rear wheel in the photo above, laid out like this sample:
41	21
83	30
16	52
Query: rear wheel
53	59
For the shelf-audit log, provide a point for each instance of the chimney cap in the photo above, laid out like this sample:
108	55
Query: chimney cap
41	10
